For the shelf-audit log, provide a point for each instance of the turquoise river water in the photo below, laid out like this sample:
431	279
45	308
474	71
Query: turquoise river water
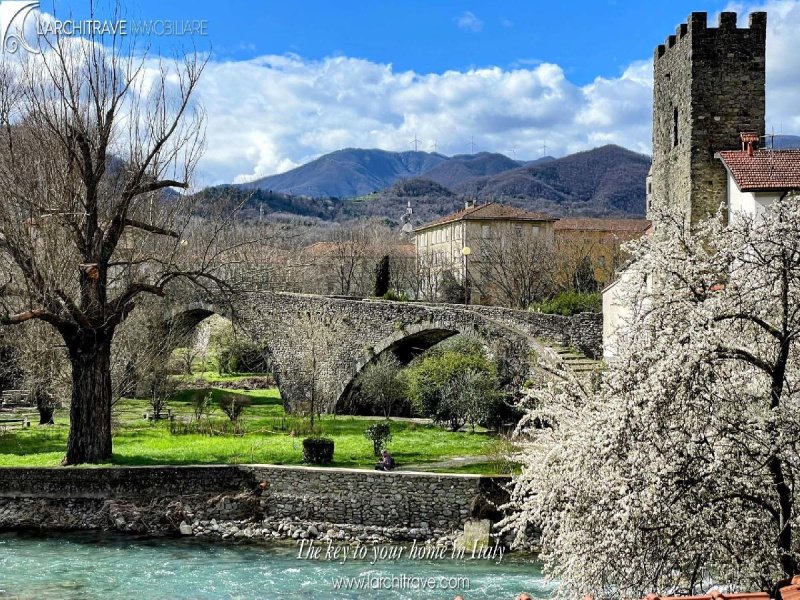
102	567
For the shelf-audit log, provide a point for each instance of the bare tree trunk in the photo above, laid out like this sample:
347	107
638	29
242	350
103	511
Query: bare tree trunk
89	438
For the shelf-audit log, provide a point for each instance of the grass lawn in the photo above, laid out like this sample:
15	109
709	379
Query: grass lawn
266	439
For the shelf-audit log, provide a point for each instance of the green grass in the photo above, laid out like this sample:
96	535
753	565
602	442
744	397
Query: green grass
212	376
266	439
482	468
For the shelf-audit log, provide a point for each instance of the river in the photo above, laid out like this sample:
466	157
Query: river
109	567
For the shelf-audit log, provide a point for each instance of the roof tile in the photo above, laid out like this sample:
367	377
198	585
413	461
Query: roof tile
765	170
490	211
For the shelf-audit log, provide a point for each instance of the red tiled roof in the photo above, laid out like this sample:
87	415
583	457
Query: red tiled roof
490	211
330	248
609	225
714	595
765	170
790	590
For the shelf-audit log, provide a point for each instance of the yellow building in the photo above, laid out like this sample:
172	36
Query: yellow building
459	243
598	240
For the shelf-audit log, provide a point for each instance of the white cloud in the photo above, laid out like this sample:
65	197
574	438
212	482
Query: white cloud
469	22
273	113
783	61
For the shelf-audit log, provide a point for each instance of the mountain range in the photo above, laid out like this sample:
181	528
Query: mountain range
354	183
355	172
783	142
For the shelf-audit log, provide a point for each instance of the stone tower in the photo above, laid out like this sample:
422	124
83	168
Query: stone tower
708	86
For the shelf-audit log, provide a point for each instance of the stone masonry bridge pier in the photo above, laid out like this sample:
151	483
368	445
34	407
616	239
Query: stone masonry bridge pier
324	342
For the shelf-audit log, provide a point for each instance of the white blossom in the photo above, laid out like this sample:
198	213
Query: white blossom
676	470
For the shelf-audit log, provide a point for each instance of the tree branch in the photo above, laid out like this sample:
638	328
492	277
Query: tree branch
29	315
151	228
771	329
746	356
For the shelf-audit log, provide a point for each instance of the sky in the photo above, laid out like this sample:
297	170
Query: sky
289	81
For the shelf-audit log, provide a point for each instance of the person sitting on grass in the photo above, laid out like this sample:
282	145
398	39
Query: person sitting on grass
386	463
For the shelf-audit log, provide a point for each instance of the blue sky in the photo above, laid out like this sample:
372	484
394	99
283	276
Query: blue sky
587	38
289	81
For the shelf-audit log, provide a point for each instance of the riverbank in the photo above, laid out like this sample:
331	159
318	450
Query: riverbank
250	502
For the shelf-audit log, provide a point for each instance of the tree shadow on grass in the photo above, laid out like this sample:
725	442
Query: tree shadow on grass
27	444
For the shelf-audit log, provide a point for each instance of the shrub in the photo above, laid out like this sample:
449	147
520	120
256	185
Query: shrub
396	296
468	396
502	415
317	450
259	382
453	291
237	354
570	303
200	401
439	384
380	435
382	386
233	405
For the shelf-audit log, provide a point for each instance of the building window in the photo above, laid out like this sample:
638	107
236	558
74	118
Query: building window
518	230
485	232
675	127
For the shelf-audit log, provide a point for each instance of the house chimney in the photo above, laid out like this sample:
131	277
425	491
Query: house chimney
469	204
749	141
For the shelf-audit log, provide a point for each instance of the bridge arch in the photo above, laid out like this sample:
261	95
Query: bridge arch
406	344
359	331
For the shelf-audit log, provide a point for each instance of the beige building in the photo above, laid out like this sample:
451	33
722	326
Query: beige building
457	244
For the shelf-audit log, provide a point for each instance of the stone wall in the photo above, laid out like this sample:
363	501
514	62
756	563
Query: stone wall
583	331
200	500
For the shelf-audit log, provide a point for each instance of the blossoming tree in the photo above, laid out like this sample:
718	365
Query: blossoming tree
677	470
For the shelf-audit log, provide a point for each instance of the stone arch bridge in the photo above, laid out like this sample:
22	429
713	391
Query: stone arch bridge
325	342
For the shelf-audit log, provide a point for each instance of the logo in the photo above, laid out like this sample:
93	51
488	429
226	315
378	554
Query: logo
22	21
15	17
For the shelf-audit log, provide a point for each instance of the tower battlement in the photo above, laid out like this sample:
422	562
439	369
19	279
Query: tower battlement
708	87
697	23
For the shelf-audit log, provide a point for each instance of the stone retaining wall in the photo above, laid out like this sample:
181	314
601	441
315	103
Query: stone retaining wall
346	503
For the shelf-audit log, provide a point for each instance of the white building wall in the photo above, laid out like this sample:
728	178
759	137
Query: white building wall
617	310
747	203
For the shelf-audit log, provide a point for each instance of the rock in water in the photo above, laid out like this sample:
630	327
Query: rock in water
477	534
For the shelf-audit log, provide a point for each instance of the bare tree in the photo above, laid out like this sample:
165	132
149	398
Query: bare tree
37	363
316	334
580	259
516	269
93	137
349	251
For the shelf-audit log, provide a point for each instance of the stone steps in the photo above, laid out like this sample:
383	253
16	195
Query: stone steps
576	361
